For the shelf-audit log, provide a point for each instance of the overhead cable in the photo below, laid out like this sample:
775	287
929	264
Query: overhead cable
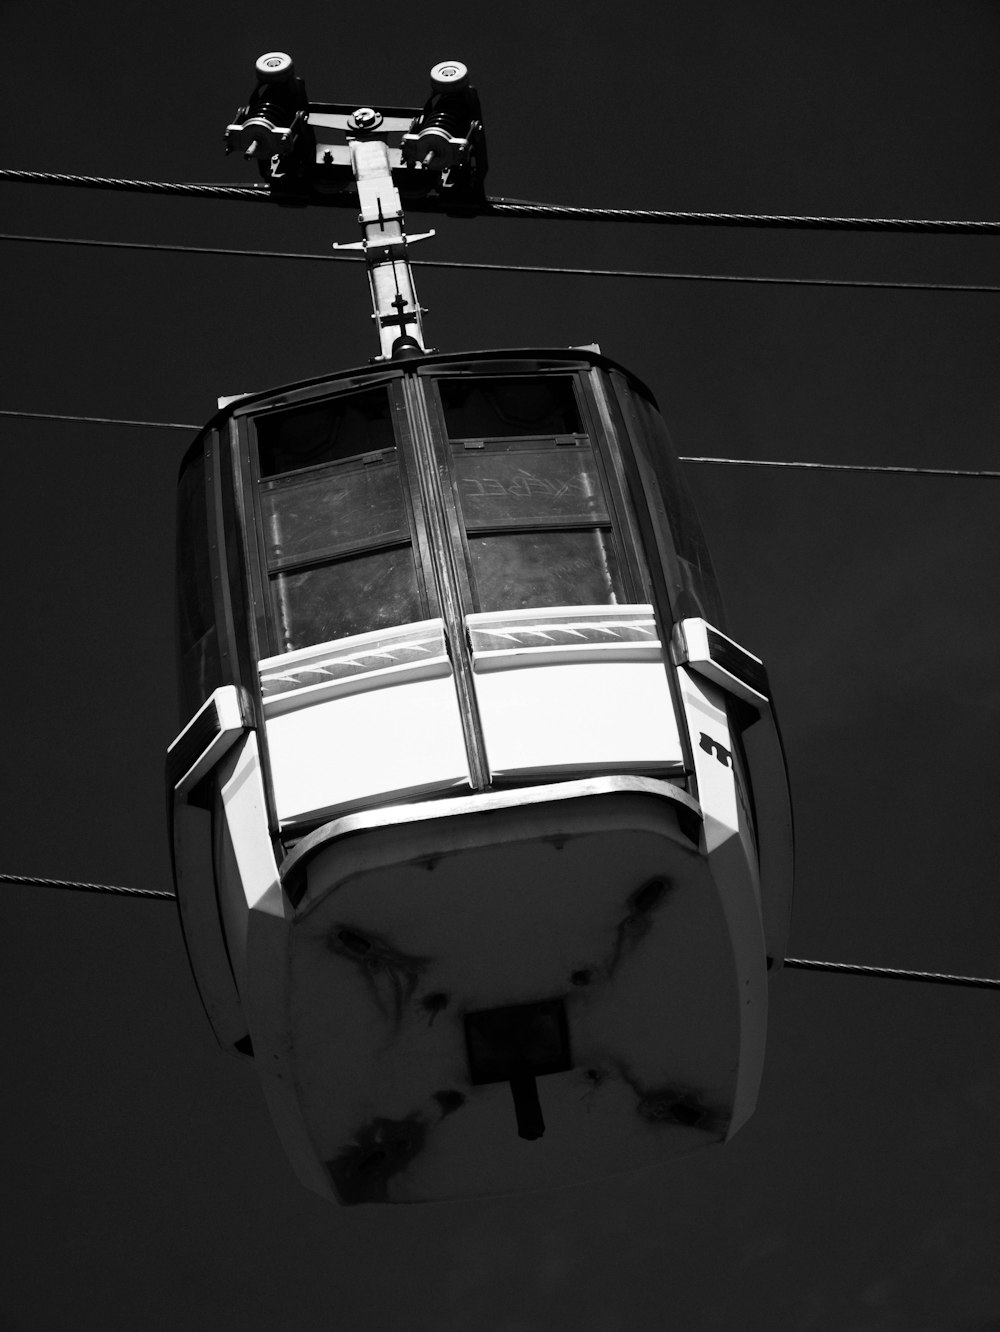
500	207
645	274
114	889
719	462
846	467
99	420
893	973
191	189
793	963
566	212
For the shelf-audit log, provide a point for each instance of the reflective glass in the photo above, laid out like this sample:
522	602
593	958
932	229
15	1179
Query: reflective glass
497	407
508	486
352	596
322	512
324	431
198	641
675	516
519	570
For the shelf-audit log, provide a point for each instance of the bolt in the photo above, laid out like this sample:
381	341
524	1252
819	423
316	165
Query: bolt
366	118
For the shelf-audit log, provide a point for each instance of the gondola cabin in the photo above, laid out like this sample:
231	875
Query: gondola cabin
472	857
481	847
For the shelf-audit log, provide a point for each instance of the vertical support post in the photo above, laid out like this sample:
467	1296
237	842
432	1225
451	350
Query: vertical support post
394	300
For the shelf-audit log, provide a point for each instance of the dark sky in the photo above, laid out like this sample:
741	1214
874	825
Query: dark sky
143	1186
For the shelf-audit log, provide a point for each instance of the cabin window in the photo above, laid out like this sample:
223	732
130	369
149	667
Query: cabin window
532	499
677	521
336	521
500	406
197	636
325	431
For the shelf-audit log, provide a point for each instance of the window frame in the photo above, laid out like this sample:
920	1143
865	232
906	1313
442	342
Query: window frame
432	566
620	523
199	657
263	574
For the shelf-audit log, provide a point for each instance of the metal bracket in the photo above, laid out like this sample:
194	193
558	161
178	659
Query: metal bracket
325	152
401	241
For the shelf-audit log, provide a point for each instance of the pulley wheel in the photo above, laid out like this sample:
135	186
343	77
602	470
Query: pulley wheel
449	74
274	67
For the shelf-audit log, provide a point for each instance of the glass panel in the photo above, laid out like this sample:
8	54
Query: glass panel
308	515
198	643
324	431
240	602
675	517
352	596
497	407
507	486
518	570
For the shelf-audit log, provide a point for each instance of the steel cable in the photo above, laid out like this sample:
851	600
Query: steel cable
190	189
893	973
969	474
31	881
644	274
793	963
503	207
566	212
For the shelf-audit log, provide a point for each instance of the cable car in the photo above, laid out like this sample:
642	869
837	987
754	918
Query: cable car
481	842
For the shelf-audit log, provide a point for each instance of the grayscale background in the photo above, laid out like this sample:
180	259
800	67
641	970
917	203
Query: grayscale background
143	1186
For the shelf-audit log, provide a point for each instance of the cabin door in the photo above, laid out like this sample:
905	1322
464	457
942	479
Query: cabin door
359	691
551	631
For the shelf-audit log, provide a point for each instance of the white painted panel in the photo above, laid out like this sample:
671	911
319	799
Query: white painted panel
343	752
712	749
246	871
219	723
580	716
